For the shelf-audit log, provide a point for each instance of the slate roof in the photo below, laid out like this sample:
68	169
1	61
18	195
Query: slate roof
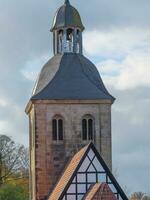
71	170
100	191
70	76
67	16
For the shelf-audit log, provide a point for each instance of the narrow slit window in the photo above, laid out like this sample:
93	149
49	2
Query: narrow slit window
60	132
90	127
54	129
84	129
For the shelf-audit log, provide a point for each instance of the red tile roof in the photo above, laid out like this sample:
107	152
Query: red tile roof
100	191
62	183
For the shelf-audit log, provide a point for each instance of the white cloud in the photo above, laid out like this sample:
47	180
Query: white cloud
130	132
124	56
3	125
3	102
30	39
32	68
129	73
115	42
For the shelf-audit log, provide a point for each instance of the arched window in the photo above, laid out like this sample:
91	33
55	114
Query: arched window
87	127
57	129
60	41
78	41
70	40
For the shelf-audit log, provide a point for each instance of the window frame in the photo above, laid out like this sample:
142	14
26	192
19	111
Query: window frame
88	131
58	129
60	39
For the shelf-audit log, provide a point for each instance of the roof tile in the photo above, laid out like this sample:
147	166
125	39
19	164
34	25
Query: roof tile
67	174
100	191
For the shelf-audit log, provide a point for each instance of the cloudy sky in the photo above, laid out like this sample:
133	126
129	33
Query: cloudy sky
116	39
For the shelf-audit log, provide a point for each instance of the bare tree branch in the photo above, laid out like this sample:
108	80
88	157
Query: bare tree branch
14	159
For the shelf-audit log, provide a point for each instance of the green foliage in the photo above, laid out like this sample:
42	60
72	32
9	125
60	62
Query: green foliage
13	192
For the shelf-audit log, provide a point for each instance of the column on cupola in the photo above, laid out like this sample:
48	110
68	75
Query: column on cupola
67	40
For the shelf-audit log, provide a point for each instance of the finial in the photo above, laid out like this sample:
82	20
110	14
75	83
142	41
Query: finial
67	2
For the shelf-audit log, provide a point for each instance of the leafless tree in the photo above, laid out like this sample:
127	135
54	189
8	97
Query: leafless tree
24	163
139	196
13	159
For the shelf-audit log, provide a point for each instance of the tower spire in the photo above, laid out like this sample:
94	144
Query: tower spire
67	2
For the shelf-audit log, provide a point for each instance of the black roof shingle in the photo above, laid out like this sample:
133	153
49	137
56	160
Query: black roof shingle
70	77
67	16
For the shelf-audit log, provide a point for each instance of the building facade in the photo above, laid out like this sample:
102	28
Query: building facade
69	108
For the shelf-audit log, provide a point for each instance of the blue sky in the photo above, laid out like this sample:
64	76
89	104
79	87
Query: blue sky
116	39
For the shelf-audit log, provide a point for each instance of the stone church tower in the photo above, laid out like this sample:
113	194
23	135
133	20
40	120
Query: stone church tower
69	107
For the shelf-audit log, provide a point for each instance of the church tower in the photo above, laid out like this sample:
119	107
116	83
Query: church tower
69	107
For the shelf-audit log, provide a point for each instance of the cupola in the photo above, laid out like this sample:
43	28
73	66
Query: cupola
67	30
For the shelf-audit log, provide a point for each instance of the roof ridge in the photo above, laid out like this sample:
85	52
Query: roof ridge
50	82
93	81
74	166
98	189
84	149
78	76
95	187
67	2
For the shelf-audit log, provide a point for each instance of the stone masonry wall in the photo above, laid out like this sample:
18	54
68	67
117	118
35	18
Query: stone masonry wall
51	157
105	130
